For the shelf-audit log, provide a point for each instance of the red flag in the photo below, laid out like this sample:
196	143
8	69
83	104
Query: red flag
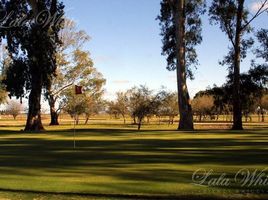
78	89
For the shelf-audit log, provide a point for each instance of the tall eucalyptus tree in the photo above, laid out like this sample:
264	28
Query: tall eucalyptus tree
181	31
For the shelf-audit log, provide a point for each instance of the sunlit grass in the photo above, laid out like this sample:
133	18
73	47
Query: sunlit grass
117	159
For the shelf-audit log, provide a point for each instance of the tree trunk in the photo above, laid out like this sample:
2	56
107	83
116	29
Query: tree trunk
54	121
134	120
185	109
237	111
76	119
262	116
169	120
139	124
87	118
34	122
124	118
53	114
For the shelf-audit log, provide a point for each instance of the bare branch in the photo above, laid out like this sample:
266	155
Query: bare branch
229	33
261	10
62	88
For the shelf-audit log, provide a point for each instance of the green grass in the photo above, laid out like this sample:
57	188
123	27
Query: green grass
113	161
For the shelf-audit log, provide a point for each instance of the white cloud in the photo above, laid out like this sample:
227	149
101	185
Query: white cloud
102	59
172	78
203	81
121	82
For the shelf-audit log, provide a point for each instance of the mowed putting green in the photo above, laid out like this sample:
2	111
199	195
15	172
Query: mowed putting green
125	162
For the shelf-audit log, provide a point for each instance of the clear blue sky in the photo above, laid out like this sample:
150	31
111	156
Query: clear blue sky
126	46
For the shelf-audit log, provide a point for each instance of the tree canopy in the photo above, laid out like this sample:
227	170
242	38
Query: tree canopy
234	19
32	49
74	66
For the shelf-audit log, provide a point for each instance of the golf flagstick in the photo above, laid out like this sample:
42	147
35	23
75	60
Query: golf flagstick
74	129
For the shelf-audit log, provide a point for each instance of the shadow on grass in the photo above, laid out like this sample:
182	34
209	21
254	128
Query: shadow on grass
42	152
109	157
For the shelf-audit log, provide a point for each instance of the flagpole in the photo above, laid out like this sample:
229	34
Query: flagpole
74	129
